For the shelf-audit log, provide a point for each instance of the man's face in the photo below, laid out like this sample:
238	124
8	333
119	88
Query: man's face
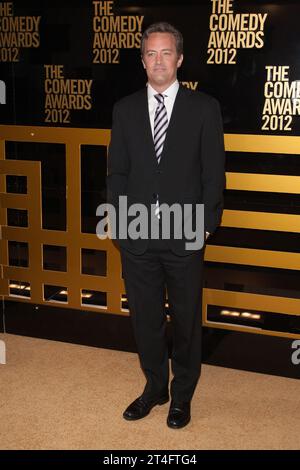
160	59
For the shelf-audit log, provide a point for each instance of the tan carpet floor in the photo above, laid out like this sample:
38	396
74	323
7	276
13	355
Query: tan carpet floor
55	395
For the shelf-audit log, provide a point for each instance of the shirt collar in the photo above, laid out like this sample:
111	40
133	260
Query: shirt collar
170	92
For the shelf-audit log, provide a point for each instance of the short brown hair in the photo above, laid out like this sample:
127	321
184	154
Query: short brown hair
163	27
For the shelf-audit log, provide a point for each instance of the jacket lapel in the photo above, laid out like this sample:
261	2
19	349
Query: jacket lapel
174	127
145	127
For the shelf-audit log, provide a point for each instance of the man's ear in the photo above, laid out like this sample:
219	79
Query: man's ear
143	62
179	62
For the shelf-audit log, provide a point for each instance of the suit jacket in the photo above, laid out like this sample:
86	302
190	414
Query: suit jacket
191	168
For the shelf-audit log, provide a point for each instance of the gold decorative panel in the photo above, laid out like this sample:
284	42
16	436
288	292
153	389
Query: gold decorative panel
77	286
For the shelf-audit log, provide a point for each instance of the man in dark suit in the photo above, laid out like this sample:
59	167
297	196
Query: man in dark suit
166	147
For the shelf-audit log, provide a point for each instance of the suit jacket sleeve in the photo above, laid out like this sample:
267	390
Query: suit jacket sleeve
213	161
118	161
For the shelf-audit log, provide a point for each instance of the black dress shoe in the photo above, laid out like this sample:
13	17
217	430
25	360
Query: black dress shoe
179	415
142	407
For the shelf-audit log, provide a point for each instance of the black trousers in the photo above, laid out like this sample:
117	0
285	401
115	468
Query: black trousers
147	277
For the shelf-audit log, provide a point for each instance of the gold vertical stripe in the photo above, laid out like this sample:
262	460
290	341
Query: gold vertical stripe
73	221
34	188
3	222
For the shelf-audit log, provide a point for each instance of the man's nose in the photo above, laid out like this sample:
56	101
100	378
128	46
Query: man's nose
158	58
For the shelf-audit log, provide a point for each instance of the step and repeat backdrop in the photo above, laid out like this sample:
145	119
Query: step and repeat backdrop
63	66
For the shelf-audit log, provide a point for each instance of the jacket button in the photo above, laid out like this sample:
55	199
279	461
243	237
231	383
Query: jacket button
159	172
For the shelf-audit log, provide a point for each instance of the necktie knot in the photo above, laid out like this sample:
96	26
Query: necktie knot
160	98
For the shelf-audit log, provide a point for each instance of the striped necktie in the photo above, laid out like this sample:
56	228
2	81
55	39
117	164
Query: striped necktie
159	135
160	125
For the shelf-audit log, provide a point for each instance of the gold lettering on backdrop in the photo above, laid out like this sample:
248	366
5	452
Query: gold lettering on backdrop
229	32
63	95
282	99
113	32
16	32
190	85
